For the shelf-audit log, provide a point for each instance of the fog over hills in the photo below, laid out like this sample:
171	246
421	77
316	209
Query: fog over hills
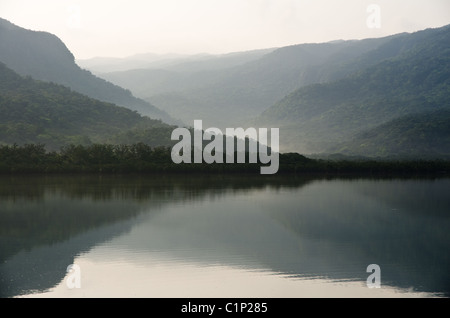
45	57
172	62
37	112
319	94
415	79
230	94
354	97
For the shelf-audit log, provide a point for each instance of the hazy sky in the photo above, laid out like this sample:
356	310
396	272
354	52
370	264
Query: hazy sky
120	28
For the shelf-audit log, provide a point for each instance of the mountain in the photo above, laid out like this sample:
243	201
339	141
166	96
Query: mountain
182	85
229	96
423	135
51	114
174	74
414	77
99	65
324	97
106	67
45	57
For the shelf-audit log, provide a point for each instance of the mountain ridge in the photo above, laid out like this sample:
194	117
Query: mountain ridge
320	95
38	112
45	57
250	88
416	80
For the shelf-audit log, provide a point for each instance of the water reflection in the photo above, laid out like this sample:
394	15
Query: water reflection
290	228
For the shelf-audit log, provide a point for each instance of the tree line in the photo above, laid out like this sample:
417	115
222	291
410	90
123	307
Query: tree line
142	158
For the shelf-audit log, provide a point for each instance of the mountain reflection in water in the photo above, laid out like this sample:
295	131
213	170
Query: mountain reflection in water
296	228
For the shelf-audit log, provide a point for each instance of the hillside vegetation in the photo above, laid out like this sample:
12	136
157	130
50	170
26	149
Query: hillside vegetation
43	56
317	117
46	113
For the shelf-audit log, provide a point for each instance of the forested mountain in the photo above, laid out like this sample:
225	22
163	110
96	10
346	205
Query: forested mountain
317	117
423	135
45	57
342	96
46	113
230	96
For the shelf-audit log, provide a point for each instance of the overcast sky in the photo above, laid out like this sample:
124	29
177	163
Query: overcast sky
119	28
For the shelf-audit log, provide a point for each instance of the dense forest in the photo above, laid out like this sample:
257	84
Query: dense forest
421	135
141	158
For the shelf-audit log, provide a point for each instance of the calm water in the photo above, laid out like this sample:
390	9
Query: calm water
186	236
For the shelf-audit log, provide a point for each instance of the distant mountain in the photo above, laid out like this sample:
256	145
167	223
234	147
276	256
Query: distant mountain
99	65
176	73
40	112
171	62
413	76
45	57
232	95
